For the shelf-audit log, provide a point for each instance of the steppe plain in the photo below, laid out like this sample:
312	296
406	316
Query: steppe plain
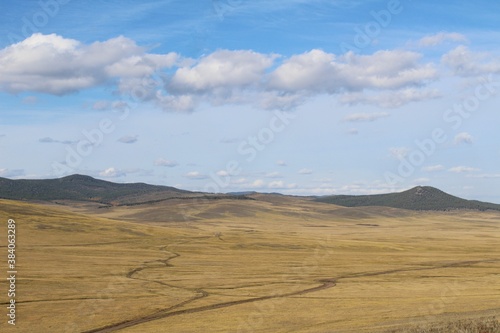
271	264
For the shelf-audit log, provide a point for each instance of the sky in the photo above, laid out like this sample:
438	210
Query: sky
297	97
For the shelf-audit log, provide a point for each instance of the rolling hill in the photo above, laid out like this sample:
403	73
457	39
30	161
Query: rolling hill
86	188
417	198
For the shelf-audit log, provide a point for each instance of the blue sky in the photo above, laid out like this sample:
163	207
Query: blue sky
298	97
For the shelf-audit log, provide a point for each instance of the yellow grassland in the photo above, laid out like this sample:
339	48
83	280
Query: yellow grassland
267	265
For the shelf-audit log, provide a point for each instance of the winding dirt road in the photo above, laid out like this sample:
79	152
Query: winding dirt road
324	284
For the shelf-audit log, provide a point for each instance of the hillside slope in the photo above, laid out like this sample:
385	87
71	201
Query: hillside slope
417	198
85	188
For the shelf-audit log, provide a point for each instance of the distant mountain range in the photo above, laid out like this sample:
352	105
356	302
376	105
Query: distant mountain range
88	189
84	188
417	198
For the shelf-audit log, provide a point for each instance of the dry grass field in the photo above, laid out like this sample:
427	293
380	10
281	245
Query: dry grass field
274	264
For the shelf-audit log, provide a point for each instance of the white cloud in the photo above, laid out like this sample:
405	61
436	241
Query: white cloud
184	103
399	152
433	168
305	171
273	175
7	173
421	180
277	184
361	117
466	63
111	173
166	163
270	100
222	77
352	189
196	175
463	137
392	99
129	139
462	169
439	38
239	181
222	69
281	185
259	183
281	163
55	65
319	72
485	176
51	140
222	173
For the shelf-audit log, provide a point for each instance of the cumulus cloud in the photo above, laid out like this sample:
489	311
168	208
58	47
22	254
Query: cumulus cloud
221	71
279	184
399	152
439	38
434	168
222	173
305	171
485	176
466	63
222	77
319	72
196	175
363	117
354	189
273	175
51	140
165	163
281	163
129	139
462	169
463	137
390	100
276	184
259	183
112	173
56	65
